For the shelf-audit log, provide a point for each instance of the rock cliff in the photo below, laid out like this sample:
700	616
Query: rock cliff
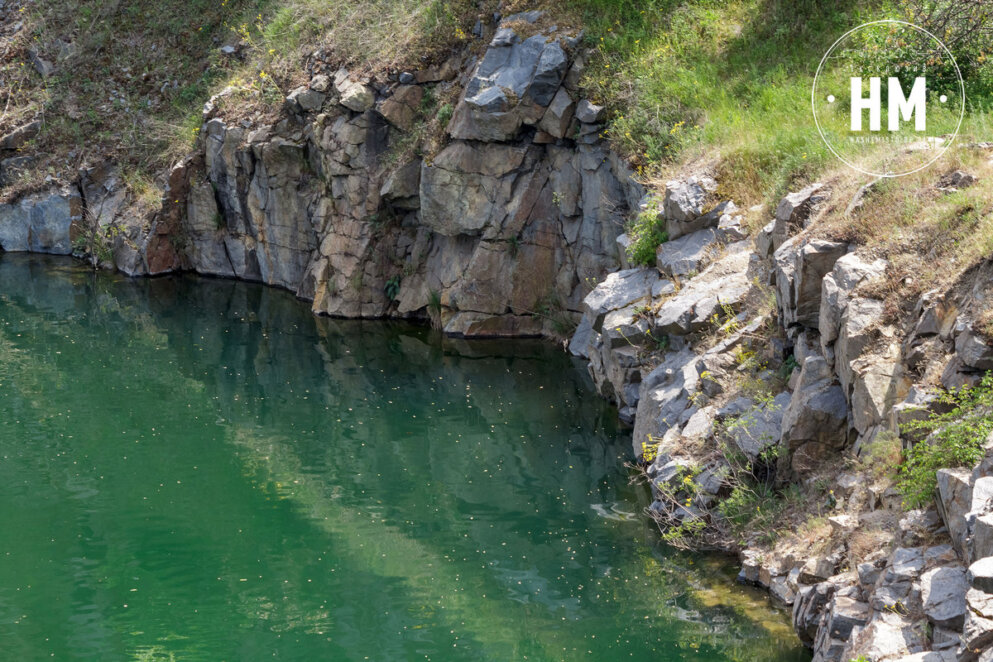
500	229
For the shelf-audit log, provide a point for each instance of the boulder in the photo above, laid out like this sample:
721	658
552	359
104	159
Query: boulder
619	290
759	428
559	114
588	112
686	255
815	423
402	108
973	351
355	96
943	594
685	199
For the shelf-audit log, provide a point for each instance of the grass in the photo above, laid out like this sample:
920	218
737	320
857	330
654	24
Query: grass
954	438
131	78
724	84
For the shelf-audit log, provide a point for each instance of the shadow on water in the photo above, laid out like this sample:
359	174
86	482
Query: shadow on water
201	469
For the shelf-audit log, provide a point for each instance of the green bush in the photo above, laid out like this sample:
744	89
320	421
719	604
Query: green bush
954	438
646	231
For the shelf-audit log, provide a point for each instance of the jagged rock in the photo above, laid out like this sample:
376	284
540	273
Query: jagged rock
401	109
800	268
982	537
815	423
512	85
977	630
467	187
356	96
846	614
905	565
588	112
849	271
869	572
980	575
781	590
809	605
793	212
888	636
943	593
716	291
402	186
730	228
560	111
305	100
21	135
878	383
40	222
619	290
685	199
686	255
973	351
954	501
855	335
626	327
664	396
817	569
761	427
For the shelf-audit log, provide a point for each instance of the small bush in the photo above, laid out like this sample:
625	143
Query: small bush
955	438
646	231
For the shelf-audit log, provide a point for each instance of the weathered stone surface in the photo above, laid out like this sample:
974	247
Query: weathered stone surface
560	111
588	112
800	268
815	424
355	96
716	291
761	427
888	636
943	593
879	382
792	213
973	351
954	502
468	187
20	136
854	336
40	222
619	290
512	85
846	614
686	255
685	200
665	395
401	109
849	271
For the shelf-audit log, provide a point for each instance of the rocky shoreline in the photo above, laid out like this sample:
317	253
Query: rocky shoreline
767	352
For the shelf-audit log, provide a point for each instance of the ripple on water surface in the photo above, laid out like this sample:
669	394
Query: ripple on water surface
197	469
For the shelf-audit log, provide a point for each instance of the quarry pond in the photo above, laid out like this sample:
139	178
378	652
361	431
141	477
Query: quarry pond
199	469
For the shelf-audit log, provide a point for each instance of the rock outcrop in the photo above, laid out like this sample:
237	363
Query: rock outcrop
502	231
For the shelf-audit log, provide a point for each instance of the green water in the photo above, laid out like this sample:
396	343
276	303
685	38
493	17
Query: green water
200	470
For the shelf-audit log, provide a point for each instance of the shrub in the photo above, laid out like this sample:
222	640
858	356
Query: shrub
954	438
646	231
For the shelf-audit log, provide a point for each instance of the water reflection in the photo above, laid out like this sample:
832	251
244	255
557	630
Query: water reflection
199	468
